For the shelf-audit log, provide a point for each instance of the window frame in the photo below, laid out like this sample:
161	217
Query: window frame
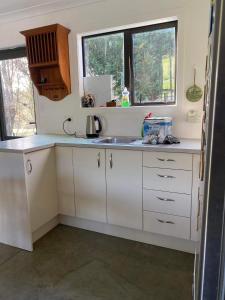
11	53
128	57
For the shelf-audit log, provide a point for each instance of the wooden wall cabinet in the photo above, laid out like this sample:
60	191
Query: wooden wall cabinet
48	57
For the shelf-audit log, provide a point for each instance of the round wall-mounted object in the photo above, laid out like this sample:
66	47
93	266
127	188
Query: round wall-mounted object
194	93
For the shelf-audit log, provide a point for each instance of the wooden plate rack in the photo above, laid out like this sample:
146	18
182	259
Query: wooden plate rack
48	58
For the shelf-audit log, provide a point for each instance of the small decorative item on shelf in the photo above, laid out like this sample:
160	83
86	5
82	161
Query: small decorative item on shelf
43	80
111	103
88	100
194	93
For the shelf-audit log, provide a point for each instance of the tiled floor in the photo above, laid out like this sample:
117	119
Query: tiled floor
70	263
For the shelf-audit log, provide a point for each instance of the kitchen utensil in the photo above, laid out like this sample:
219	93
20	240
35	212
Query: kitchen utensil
93	126
194	93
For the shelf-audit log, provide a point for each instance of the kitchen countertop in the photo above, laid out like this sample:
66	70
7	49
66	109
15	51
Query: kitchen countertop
38	142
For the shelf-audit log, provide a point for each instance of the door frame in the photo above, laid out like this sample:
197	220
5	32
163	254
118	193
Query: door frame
11	53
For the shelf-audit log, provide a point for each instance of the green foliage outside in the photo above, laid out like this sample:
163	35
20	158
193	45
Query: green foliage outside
105	56
154	65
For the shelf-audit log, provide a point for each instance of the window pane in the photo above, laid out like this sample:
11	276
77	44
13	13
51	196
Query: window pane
104	55
154	59
18	99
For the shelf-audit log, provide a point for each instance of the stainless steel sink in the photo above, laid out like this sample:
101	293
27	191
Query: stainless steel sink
115	140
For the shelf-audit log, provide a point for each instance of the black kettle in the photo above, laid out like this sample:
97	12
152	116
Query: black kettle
93	126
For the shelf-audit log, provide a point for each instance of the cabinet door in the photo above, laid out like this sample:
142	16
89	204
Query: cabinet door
41	186
14	213
65	182
124	188
197	202
90	186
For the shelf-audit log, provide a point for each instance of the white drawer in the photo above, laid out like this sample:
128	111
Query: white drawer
175	181
168	203
179	161
167	225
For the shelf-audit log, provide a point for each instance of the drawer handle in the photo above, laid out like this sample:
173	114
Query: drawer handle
169	159
165	222
166	199
160	159
166	176
170	222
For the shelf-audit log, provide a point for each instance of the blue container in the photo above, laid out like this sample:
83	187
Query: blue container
157	126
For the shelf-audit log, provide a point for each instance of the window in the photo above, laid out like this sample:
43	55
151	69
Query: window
104	55
142	59
17	112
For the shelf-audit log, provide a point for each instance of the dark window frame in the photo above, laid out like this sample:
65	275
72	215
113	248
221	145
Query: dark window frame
128	57
11	53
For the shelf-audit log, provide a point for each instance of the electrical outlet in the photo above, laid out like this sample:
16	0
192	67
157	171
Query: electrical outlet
193	116
66	117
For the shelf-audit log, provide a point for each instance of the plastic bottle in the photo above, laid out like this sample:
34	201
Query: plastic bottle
125	98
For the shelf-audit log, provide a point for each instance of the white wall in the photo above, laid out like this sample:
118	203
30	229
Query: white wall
193	19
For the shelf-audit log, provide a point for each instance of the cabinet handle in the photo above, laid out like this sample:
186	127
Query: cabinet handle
99	160
29	167
161	221
111	161
166	199
169	159
165	222
166	176
160	159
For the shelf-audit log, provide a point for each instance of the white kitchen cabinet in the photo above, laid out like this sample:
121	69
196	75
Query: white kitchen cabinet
15	229
28	197
155	193
65	182
124	188
90	185
170	194
41	186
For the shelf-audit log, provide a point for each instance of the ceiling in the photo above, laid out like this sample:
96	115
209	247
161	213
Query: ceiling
10	6
12	10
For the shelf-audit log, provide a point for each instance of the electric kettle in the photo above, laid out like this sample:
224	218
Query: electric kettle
93	126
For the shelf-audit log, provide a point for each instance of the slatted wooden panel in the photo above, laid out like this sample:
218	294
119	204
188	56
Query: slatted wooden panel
42	48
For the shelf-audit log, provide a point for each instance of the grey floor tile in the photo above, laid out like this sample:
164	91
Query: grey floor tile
70	263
